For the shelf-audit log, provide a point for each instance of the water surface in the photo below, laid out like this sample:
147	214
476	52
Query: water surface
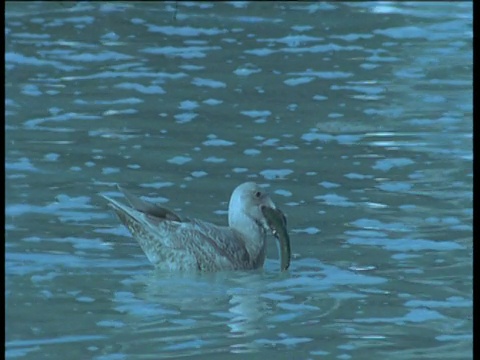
357	117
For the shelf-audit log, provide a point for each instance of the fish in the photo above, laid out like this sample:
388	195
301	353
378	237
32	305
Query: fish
277	222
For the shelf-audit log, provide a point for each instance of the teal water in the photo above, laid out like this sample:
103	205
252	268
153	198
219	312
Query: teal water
356	116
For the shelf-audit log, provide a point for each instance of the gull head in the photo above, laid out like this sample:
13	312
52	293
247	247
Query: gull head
250	203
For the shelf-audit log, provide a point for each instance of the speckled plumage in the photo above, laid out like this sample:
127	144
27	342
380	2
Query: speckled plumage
171	243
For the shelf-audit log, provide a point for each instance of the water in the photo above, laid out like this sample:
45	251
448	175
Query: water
358	118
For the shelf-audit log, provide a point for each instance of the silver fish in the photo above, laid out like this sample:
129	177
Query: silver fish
277	222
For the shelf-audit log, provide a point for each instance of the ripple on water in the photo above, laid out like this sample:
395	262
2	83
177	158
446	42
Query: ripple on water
406	244
179	160
451	302
413	316
186	31
251	152
214	160
298	81
256	113
203	82
185	117
187	52
218	142
335	200
275	173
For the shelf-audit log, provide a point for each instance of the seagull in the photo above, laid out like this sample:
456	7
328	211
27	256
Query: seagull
175	244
